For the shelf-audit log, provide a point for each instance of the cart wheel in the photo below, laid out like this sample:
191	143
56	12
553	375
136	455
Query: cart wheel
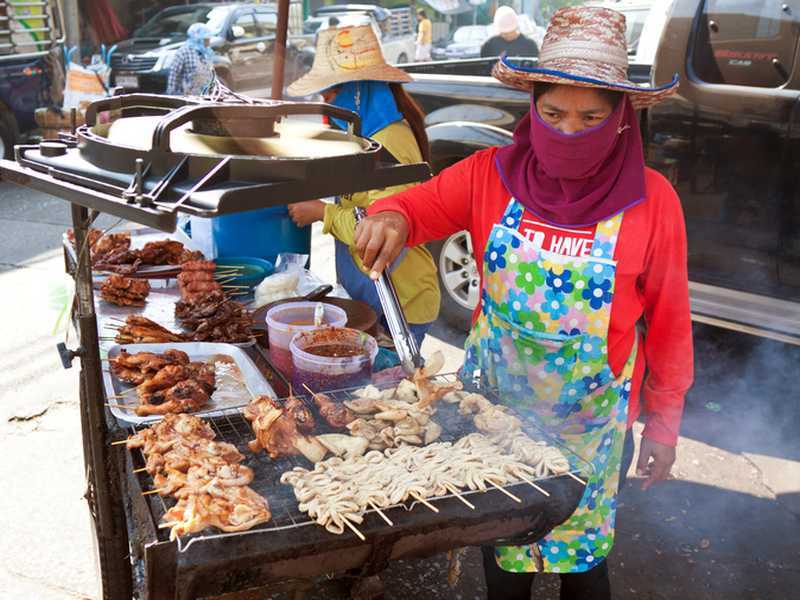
458	279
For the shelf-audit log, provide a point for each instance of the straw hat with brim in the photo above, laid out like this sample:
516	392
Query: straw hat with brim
584	46
346	54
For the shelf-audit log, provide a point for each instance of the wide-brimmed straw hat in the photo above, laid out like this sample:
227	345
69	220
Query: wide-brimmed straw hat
346	54
584	46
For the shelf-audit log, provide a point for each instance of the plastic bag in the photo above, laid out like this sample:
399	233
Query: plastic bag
288	261
85	84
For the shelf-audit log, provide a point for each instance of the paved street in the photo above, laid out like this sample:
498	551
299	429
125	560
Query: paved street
725	528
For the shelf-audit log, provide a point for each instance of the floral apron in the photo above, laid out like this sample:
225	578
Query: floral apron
541	341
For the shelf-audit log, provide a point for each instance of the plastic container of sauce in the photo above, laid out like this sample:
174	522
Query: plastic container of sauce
284	321
332	358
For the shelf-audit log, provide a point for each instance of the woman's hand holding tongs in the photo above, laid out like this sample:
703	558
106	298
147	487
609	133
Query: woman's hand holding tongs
380	239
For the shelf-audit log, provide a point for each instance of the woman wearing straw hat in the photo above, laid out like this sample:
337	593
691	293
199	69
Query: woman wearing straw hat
580	242
350	72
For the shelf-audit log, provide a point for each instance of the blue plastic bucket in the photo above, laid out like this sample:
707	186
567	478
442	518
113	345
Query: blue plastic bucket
262	233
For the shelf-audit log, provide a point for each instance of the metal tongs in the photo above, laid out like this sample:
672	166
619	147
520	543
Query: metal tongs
404	342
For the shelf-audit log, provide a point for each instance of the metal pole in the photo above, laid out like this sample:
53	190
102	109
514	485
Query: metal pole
103	482
280	49
72	24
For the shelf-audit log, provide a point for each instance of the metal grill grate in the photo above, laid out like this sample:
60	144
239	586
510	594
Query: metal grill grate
236	430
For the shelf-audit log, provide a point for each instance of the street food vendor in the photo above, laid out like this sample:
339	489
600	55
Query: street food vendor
584	281
350	72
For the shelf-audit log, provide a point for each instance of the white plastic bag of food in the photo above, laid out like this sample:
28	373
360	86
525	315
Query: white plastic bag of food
85	84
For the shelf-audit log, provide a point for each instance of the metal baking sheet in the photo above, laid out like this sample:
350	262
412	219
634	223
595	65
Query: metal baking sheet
139	237
159	307
256	384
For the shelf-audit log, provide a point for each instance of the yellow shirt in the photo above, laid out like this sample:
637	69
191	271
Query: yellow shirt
425	33
415	278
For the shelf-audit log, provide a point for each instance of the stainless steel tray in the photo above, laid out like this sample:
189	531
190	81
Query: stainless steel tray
255	383
139	237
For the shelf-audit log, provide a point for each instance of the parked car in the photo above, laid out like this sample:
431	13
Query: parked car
243	43
394	27
727	141
25	71
465	42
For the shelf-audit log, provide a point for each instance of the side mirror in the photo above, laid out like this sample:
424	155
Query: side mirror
237	31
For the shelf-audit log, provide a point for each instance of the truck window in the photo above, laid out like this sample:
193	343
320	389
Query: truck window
744	42
248	24
267	21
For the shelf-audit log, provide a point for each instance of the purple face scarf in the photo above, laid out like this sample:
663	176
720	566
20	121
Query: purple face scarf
575	180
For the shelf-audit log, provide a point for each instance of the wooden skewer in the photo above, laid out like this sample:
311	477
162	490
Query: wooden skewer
142	470
505	491
118	442
156	491
121	406
455	493
309	390
225	279
238	293
123	394
354	529
381	513
533	485
423	501
235	287
167	525
576	478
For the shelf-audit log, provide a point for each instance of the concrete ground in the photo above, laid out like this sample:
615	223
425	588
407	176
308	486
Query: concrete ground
726	527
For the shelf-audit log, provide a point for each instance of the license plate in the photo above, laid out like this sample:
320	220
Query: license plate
127	81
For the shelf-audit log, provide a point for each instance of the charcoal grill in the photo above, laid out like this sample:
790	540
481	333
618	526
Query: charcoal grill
293	546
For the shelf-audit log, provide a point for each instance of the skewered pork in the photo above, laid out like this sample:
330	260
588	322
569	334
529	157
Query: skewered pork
203	474
138	329
137	368
124	291
211	317
335	414
187	395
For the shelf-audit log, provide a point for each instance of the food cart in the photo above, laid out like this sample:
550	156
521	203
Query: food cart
150	175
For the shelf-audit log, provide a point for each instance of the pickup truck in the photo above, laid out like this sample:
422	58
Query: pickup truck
728	142
30	39
243	43
393	27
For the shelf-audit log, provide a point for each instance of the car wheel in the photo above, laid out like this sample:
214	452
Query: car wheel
6	139
458	279
402	59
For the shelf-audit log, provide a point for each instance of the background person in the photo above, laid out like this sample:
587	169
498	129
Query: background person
373	89
193	66
578	243
424	36
509	40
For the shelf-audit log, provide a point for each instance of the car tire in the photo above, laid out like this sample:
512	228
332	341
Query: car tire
7	139
402	59
459	280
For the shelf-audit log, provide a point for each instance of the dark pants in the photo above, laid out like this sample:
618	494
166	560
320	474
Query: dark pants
589	585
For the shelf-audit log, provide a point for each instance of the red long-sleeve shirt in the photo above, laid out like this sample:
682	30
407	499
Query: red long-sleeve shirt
651	276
